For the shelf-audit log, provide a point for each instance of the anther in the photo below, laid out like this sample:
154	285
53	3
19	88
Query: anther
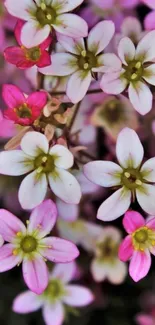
153	242
138	65
83	53
44	159
27	222
86	65
19	234
127	175
15	252
49	17
138	182
43	6
134	76
39	170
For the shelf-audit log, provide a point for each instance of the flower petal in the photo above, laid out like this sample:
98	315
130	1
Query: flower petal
100	36
132	221
116	205
149	3
78	85
21	11
32	36
146	48
126	50
65	186
143	319
26	302
37	99
35	274
53	314
145	197
148	170
63	64
67	212
112	83
151	223
129	150
7	260
62	6
12	96
43	217
126	249
140	97
140	265
75	46
117	272
15	163
98	270
10	225
71	25
108	62
15	55
34	143
63	157
149	21
65	272
149	74
103	173
61	251
32	190
77	296
45	60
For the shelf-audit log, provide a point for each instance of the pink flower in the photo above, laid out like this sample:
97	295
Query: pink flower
7	127
149	21
48	165
24	57
43	16
23	109
58	295
31	246
82	61
138	245
132	28
130	177
136	73
144	319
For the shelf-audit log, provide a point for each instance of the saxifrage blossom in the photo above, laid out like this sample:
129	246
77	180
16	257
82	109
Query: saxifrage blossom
43	16
137	72
130	177
23	109
139	244
48	165
25	58
31	246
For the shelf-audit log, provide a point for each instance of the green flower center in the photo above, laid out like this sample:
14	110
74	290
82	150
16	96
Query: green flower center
45	15
54	291
44	163
23	111
107	250
141	235
28	244
131	178
134	71
143	238
112	111
87	60
33	54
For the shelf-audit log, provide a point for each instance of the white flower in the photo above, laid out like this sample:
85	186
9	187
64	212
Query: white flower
47	165
130	177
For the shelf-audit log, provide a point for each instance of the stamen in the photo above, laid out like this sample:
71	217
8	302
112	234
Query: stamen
39	170
153	242
43	6
127	175
138	65
44	159
84	53
27	222
19	234
134	76
49	17
15	252
86	65
138	182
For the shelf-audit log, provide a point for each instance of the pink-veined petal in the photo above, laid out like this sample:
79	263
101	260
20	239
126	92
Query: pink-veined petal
62	6
34	143
71	25
140	97
132	221
78	85
7	260
126	249
15	163
63	64
65	272
148	170
139	265
145	197
12	96
26	302
146	48
23	9
126	50
53	314
100	36
10	225
32	36
129	150
35	274
63	157
112	83
108	62
77	296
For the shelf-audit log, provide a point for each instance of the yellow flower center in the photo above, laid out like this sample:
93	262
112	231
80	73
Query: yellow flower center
45	15
87	60
143	238
44	163
131	178
28	244
133	71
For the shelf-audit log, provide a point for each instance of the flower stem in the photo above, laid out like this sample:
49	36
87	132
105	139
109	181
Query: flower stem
59	93
74	116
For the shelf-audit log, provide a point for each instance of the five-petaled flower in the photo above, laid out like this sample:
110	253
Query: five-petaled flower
47	165
23	109
138	245
44	15
31	246
137	70
130	177
82	62
58	295
25	58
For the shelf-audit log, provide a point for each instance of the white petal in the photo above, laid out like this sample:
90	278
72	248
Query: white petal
65	186
129	150
71	45
32	190
126	50
115	206
53	314
99	270
103	173
66	271
146	48
71	25
108	62
146	198
32	36
149	74
63	157
21	10
63	64
117	272
34	143
112	83
77	296
14	163
140	97
26	302
148	169
100	36
131	27
62	6
78	85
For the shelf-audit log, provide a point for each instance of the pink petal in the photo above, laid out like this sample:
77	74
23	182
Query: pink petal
35	274
43	217
149	21
32	36
16	55
132	221
112	83
71	25
140	265
151	224
45	60
17	31
71	45
65	272
26	303
126	50
64	158
146	47
63	64
126	249
61	251
7	260
12	96
45	44
67	212
100	36
53	314
78	296
78	86
1	241
10	225
140	97
23	9
37	99
145	320
149	3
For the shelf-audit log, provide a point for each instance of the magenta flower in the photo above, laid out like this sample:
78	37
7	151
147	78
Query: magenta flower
31	246
145	319
149	21
58	295
138	245
24	57
23	109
